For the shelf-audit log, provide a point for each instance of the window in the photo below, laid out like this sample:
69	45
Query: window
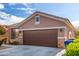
13	34
37	19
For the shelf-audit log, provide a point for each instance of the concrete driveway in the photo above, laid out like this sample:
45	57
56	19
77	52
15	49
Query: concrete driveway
27	50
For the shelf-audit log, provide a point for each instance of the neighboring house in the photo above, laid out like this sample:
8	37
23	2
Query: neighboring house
44	30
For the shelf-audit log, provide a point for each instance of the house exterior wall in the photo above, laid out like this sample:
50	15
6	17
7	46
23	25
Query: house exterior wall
46	22
18	38
70	33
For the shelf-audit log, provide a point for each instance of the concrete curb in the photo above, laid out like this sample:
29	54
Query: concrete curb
60	53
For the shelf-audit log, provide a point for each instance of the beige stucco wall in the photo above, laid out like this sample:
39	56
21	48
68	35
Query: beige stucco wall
20	37
61	43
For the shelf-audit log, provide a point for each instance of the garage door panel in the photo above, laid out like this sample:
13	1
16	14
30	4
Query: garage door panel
40	37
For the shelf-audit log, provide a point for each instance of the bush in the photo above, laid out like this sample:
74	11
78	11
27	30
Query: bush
1	42
76	41
73	48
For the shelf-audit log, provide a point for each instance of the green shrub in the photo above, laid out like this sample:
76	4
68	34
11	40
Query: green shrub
76	41
73	48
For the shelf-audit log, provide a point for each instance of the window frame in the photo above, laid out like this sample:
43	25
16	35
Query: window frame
37	22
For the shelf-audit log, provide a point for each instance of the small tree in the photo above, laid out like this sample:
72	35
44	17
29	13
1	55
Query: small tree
2	30
77	33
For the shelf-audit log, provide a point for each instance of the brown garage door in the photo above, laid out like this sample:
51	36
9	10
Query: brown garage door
40	37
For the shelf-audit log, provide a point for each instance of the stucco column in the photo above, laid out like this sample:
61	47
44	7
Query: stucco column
61	37
9	35
20	37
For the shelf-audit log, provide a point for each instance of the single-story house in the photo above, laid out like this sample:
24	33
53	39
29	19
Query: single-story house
43	29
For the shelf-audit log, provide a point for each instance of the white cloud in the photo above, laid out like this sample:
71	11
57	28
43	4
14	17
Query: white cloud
2	22
12	4
28	8
75	23
4	15
9	19
21	8
25	9
1	6
14	19
26	5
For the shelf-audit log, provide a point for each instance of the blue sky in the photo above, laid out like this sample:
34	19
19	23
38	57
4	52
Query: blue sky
11	13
